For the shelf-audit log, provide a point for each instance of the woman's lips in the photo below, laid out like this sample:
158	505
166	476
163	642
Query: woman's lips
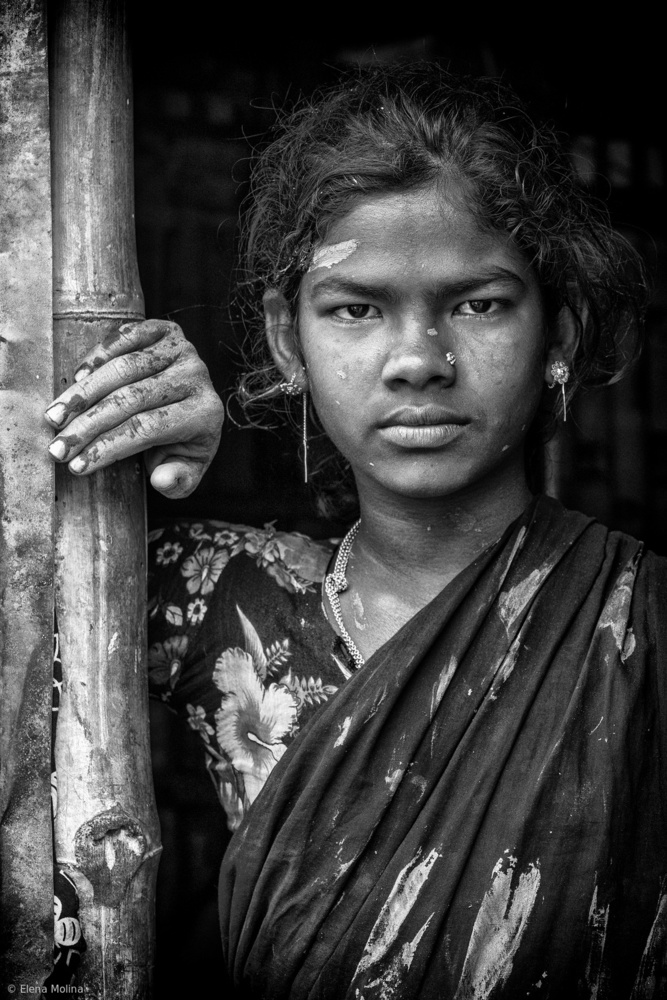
425	436
421	427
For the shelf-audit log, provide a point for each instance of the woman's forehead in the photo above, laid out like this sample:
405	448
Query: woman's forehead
419	229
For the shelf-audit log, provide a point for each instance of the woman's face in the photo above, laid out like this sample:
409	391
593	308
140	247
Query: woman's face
404	280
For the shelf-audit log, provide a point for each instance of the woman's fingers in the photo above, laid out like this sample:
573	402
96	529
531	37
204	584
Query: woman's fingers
145	389
171	386
174	476
128	337
169	352
152	432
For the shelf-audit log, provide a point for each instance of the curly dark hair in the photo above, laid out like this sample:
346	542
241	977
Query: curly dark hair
396	127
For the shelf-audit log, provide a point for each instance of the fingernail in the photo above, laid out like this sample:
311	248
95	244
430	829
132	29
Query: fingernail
81	373
58	449
77	464
57	413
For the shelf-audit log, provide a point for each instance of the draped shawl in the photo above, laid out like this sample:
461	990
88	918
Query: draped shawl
479	811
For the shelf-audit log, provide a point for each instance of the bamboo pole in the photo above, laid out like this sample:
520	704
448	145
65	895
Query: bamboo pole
106	832
26	500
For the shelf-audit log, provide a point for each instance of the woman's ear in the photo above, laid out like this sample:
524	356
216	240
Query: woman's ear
280	334
564	335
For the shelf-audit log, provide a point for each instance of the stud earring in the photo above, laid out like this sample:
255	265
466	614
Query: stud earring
292	389
560	374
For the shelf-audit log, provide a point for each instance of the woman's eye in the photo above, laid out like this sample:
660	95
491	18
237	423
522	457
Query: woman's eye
357	311
478	307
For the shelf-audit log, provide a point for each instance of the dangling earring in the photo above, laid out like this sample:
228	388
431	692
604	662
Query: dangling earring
560	373
292	388
304	433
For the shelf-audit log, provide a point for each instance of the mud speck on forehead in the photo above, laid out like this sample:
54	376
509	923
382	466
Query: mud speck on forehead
334	253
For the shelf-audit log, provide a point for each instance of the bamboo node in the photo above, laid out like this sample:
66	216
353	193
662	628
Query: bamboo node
109	850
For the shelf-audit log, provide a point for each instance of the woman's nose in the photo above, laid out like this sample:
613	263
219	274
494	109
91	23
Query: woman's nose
419	354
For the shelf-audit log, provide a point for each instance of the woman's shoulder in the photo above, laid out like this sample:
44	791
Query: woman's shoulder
199	551
578	523
208	578
238	644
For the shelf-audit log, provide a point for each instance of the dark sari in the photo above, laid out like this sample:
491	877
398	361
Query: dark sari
480	811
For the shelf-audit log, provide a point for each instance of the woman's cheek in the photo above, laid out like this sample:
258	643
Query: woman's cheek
330	395
517	370
338	374
336	402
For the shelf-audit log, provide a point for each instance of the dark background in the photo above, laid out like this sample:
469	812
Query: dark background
203	94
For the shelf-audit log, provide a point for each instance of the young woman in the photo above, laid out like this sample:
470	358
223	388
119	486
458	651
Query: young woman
441	742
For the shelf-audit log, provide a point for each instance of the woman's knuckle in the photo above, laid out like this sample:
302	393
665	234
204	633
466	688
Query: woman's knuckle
142	425
172	335
133	426
188	353
174	329
126	338
216	407
134	395
125	366
152	424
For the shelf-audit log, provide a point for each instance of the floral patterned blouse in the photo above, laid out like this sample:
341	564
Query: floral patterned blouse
235	626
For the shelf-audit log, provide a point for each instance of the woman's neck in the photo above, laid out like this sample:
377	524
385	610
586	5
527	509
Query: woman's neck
407	551
434	537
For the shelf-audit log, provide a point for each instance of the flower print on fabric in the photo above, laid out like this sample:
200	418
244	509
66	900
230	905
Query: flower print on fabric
67	930
203	569
165	661
228	785
253	718
293	561
198	532
226	538
173	614
168	553
196	611
197	722
307	692
245	698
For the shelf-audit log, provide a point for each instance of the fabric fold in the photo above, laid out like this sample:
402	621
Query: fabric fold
441	826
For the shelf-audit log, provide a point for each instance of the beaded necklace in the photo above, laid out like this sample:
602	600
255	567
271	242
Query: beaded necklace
335	583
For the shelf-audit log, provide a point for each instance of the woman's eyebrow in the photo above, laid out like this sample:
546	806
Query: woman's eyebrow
347	286
338	285
477	279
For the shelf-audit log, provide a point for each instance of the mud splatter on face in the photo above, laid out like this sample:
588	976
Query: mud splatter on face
327	256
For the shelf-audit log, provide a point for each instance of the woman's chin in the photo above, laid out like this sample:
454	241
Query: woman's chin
421	479
418	483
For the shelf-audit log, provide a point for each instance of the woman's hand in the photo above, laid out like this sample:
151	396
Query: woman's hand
144	389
